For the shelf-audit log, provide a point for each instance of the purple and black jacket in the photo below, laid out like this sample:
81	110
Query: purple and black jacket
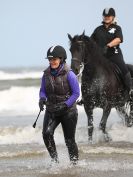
72	81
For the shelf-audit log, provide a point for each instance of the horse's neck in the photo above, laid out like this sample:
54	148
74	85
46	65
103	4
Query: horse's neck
97	61
95	56
92	70
96	68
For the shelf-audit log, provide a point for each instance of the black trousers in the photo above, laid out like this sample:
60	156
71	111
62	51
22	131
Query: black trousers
118	59
68	122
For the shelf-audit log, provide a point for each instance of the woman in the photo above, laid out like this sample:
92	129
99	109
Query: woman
59	92
109	36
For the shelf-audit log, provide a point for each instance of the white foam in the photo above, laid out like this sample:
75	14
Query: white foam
105	165
19	101
20	135
21	153
87	165
21	75
120	133
27	134
22	101
116	129
107	150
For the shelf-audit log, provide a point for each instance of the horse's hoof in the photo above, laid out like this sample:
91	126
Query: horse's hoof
102	127
129	124
90	140
107	137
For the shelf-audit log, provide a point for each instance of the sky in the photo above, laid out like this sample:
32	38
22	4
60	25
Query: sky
29	27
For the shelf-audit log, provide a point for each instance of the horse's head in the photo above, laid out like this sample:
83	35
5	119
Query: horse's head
77	49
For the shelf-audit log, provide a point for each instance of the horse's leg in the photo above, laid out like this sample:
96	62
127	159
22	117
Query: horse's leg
106	112
130	117
131	113
89	113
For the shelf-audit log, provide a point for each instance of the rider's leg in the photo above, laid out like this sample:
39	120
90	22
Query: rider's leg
119	61
128	83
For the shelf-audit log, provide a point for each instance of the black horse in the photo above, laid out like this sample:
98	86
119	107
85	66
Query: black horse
101	84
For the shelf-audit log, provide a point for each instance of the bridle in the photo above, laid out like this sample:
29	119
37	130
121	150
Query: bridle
81	66
82	62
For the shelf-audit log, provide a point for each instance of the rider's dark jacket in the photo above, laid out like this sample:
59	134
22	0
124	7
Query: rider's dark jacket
102	36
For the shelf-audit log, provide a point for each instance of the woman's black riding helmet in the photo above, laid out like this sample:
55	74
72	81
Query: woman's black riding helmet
57	51
109	12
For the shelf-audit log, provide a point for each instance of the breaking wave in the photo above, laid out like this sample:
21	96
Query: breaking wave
20	75
19	101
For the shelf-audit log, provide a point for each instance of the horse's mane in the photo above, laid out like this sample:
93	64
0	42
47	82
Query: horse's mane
93	49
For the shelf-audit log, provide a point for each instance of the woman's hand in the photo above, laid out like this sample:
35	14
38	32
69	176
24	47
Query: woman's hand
42	102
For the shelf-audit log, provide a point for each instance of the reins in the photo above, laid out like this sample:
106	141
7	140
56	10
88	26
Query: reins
82	62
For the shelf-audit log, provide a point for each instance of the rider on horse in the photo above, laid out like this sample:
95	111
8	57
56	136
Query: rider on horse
109	36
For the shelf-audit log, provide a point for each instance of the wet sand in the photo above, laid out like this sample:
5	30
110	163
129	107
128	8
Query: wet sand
35	162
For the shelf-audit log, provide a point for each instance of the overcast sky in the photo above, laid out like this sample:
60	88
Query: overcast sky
29	27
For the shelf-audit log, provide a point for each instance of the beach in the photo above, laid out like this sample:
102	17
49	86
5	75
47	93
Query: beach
23	153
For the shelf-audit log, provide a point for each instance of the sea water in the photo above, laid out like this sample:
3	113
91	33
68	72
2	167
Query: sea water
22	151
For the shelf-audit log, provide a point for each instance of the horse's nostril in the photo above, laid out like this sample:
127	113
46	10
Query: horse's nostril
76	71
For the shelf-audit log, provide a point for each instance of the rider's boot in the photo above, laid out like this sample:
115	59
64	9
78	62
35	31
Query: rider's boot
129	84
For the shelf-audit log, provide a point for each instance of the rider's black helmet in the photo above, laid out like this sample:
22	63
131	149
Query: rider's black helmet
57	51
109	12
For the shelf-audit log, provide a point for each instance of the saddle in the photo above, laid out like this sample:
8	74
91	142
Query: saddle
130	68
118	72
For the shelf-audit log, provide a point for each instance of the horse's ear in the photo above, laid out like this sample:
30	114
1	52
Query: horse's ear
70	37
83	34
